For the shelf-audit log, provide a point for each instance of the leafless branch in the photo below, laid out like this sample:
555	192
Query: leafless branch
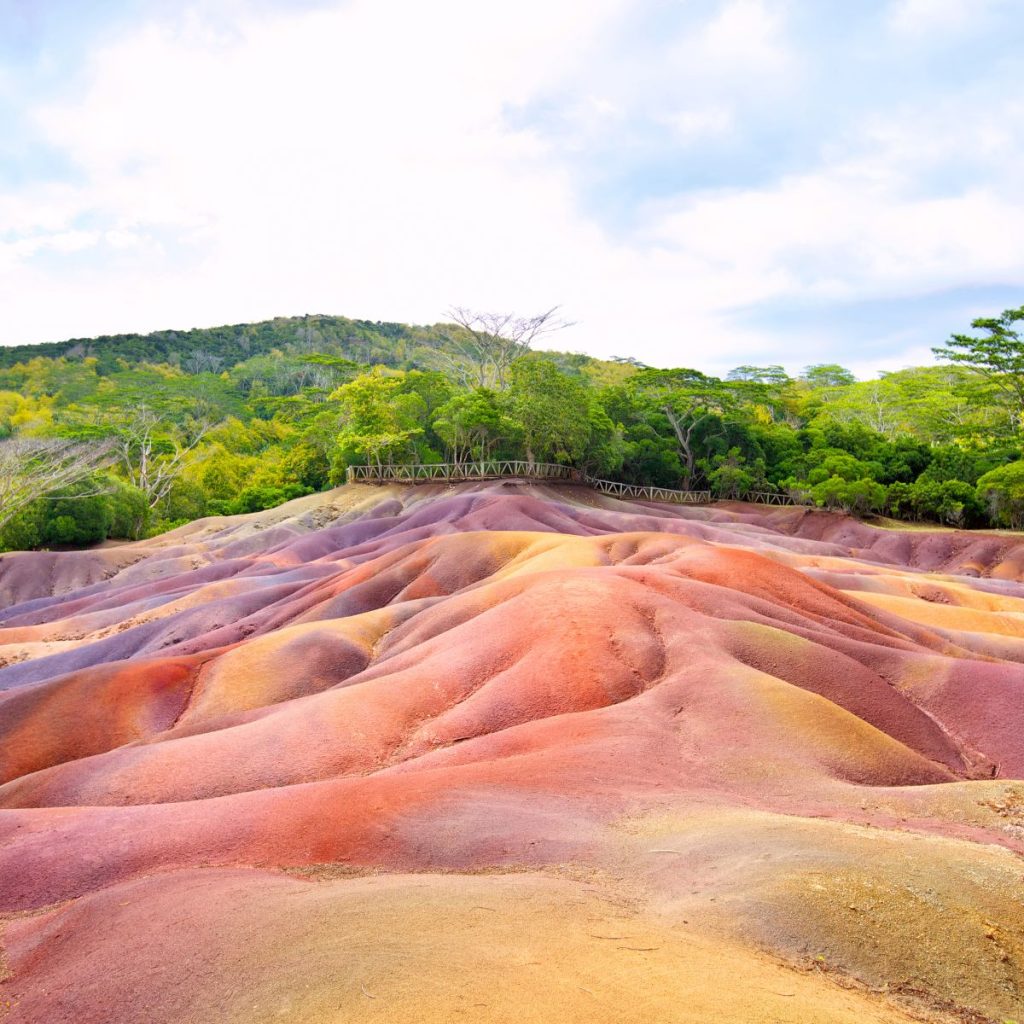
200	361
33	467
151	458
486	344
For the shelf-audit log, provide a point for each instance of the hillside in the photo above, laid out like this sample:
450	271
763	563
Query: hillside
199	349
360	340
509	752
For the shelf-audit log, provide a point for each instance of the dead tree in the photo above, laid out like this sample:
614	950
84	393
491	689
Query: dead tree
33	467
487	344
201	361
152	458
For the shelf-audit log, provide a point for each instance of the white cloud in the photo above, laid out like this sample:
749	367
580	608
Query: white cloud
13	253
936	17
831	236
360	161
692	125
327	163
747	34
742	52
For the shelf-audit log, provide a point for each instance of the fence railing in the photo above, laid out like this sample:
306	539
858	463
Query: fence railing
493	470
772	498
502	469
648	493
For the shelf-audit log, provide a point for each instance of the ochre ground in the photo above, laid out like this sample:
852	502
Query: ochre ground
509	753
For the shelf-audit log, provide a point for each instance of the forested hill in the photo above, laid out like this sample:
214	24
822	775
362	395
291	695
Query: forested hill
127	435
373	343
205	348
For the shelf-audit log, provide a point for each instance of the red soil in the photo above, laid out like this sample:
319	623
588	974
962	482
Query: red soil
506	679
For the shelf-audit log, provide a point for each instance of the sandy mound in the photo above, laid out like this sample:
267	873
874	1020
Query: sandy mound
764	747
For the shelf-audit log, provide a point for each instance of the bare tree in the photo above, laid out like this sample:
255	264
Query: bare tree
151	457
488	343
201	361
33	467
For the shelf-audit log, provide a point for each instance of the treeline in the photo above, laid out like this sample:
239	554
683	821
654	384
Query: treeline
217	348
214	349
177	439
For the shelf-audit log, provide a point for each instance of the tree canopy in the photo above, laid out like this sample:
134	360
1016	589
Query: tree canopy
133	435
997	355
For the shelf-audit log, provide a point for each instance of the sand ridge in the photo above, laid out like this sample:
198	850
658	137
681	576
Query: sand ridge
788	741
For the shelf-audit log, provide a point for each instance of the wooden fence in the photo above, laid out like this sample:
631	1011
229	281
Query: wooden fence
495	470
502	469
648	493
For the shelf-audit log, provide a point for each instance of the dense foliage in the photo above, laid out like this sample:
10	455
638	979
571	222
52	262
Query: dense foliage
242	418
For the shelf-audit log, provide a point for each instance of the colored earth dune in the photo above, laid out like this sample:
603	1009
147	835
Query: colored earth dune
511	753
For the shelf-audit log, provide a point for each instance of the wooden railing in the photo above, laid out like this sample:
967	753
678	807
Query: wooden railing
772	498
497	469
503	469
648	493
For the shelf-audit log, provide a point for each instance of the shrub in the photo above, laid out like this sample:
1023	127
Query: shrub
82	514
855	496
952	502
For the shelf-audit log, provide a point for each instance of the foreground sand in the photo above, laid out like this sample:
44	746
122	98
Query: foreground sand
500	753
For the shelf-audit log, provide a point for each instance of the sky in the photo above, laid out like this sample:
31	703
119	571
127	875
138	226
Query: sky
700	183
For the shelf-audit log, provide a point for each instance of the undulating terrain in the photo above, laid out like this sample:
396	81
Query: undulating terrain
506	753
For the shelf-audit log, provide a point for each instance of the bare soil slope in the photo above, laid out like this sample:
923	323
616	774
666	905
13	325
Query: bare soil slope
500	752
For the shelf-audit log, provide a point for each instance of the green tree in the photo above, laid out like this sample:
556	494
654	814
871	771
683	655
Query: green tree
378	422
855	496
1002	492
774	374
471	424
687	405
31	468
129	508
997	354
80	514
828	375
605	450
731	478
549	411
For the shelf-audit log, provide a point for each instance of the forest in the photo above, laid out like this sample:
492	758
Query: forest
126	437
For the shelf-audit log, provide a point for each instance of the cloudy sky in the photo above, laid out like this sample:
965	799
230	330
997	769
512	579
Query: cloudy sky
697	182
